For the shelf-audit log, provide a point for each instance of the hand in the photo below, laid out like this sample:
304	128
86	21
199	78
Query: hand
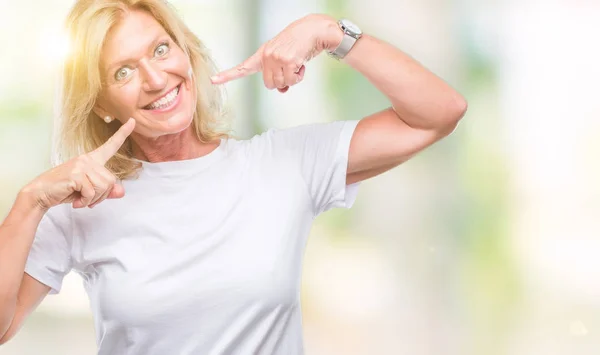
84	180
282	59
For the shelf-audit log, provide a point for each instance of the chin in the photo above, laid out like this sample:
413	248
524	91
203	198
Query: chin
176	123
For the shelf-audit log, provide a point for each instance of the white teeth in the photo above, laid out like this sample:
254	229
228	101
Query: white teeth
166	101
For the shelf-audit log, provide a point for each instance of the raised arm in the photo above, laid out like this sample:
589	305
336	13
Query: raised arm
423	108
84	182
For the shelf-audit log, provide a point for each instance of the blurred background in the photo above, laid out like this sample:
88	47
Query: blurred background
488	243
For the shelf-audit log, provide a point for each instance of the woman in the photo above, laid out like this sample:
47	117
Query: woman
202	254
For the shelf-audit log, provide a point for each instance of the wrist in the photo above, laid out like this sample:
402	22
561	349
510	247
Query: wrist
24	214
344	35
28	200
333	34
329	35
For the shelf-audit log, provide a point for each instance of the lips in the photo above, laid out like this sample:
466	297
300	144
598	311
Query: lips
165	101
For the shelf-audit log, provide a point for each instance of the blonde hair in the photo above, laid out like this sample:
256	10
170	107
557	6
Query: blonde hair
79	129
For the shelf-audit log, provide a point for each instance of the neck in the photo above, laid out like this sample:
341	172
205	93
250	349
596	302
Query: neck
180	146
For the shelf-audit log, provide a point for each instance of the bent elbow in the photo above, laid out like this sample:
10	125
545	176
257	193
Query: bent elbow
6	329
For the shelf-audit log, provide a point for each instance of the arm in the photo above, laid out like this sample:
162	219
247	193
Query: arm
19	293
84	182
424	108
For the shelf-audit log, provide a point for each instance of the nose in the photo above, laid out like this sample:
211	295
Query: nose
153	78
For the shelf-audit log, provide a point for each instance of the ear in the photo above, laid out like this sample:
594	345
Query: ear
100	111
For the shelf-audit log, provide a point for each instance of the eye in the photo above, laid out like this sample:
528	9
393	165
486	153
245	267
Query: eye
123	73
161	50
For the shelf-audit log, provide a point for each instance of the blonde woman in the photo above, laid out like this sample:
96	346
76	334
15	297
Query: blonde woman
190	241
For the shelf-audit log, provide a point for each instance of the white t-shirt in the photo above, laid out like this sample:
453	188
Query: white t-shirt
203	256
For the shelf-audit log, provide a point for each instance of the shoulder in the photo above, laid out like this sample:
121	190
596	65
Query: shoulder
285	137
294	143
256	146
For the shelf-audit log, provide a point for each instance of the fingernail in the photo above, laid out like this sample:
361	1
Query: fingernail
214	78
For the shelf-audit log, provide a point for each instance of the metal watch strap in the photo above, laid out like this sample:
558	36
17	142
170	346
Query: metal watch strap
344	47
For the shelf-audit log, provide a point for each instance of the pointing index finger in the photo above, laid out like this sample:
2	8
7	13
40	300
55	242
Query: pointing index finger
107	150
248	67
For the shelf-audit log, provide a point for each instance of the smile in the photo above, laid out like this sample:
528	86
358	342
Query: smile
166	102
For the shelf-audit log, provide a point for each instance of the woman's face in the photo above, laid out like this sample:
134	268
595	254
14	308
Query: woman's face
146	77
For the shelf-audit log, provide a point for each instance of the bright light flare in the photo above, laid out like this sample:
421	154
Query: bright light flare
54	47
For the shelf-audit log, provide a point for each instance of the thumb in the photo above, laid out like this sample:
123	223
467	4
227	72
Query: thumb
117	192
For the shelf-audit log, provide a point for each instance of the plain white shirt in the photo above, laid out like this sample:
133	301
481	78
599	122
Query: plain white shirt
203	256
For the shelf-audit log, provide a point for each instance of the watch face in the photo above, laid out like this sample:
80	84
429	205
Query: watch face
351	26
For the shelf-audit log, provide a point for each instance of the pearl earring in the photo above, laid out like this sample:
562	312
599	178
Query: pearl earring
108	119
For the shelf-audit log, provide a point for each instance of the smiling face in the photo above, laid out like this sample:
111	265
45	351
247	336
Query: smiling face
146	76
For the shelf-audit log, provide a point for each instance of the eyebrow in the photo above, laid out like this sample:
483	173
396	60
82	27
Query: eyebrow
119	63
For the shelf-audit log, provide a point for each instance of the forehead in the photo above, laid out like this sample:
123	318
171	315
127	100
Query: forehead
130	37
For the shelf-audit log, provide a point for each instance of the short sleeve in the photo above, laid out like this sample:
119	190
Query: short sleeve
49	259
321	152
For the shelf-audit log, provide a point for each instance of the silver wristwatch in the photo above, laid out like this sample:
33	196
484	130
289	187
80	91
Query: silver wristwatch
351	34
